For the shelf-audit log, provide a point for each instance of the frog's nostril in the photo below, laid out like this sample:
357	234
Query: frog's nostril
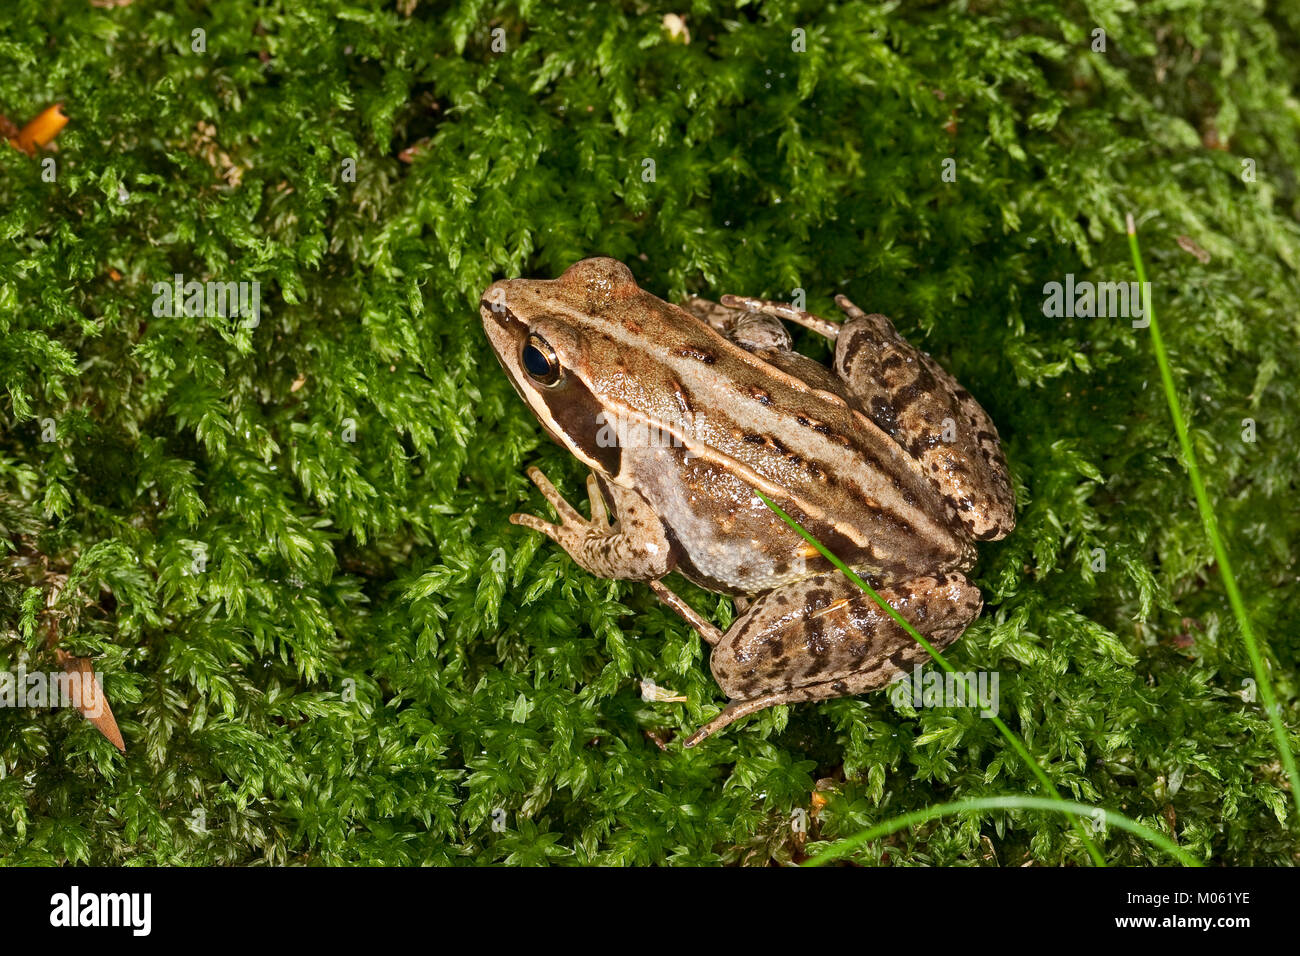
493	305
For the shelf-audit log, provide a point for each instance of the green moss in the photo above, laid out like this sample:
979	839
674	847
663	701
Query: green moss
373	662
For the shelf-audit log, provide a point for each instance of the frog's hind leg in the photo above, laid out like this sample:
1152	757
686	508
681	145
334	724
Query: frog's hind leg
755	325
825	637
718	317
783	310
751	329
910	397
704	628
925	410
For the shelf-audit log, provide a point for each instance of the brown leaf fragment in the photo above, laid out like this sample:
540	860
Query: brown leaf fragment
1188	244
408	155
93	703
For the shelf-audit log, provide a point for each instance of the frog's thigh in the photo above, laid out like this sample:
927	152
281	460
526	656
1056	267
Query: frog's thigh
825	637
923	408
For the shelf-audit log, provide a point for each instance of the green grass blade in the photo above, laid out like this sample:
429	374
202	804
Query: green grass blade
846	846
1006	731
1208	518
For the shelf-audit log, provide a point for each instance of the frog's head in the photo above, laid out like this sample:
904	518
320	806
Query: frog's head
541	331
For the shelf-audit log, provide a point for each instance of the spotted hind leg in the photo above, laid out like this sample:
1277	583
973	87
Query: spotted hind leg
751	329
921	406
825	637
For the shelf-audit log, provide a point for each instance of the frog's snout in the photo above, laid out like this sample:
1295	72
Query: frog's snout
493	301
500	321
505	332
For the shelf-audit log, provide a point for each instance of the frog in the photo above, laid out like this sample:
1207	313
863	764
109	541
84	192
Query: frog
682	413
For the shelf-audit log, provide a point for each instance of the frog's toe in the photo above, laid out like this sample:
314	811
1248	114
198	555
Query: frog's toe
743	708
709	729
599	511
572	525
568	514
536	524
783	310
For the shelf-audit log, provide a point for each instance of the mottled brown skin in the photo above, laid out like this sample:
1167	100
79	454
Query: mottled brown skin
886	460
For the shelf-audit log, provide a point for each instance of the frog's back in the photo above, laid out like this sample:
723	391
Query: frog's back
719	421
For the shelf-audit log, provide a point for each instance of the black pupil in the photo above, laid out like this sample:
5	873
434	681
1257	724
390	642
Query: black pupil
536	362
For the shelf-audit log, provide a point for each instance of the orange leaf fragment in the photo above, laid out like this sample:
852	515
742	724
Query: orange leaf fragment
42	130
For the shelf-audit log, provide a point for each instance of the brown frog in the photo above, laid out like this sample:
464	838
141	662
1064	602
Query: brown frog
681	412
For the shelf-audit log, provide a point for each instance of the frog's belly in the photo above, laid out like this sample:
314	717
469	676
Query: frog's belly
728	540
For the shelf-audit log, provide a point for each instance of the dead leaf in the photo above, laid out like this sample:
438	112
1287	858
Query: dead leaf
675	24
1187	244
93	703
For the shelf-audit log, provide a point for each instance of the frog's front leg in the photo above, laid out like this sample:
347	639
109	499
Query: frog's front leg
634	547
825	637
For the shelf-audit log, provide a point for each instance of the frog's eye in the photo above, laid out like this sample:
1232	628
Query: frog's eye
540	362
